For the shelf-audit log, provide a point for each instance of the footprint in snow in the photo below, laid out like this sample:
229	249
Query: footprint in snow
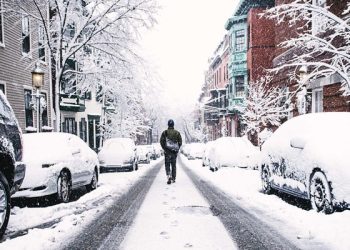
165	235
174	223
165	215
188	245
165	203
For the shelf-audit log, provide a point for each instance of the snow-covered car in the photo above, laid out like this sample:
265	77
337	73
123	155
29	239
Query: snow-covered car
234	152
12	167
208	147
56	164
143	154
158	149
195	151
185	149
118	153
308	157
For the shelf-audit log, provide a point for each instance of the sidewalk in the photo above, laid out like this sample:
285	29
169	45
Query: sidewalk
176	216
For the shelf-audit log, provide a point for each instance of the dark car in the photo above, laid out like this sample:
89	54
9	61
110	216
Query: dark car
12	169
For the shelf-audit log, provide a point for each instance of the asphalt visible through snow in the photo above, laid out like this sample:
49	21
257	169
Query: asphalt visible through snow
108	230
248	231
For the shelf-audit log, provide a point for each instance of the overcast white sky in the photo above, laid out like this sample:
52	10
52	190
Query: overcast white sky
179	46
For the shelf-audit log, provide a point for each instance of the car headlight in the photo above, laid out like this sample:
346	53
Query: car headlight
102	162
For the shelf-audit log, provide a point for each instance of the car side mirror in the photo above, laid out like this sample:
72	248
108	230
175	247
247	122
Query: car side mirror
297	142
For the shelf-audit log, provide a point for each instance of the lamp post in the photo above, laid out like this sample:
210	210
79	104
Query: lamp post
38	82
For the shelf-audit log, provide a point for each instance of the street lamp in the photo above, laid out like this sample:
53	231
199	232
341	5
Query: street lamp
38	83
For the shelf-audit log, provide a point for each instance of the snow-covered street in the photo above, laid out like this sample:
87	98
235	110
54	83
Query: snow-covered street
176	216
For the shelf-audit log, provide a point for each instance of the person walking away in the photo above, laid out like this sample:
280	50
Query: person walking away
171	142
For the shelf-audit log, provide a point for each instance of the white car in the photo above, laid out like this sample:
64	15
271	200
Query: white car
118	153
57	163
208	147
195	151
308	157
143	154
234	152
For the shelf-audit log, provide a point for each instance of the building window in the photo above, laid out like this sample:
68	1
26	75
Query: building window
2	88
69	125
239	86
41	43
28	108
69	80
317	100
240	41
25	35
319	21
43	107
1	24
82	129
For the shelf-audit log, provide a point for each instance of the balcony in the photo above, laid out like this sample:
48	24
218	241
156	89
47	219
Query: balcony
73	103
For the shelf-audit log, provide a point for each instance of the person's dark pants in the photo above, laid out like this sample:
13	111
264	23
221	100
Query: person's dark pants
170	160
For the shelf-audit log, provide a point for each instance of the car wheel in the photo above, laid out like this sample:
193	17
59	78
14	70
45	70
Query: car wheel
5	205
64	187
320	193
265	180
93	184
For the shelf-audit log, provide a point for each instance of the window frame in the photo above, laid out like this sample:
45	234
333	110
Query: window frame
2	34
3	83
30	110
23	37
317	104
44	93
41	43
240	85
240	43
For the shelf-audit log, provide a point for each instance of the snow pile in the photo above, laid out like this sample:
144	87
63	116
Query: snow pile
117	151
195	150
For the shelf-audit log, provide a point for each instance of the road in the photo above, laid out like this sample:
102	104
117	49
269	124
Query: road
190	213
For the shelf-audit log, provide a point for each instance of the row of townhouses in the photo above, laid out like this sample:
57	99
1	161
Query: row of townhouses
249	48
21	47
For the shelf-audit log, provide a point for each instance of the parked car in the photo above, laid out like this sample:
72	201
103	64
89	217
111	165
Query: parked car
158	149
234	152
195	151
308	157
57	163
208	147
12	168
118	153
152	150
143	154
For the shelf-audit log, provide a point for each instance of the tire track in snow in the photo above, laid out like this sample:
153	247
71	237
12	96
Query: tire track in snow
108	230
245	229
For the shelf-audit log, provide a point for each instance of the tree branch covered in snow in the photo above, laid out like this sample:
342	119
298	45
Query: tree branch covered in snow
77	33
322	42
265	106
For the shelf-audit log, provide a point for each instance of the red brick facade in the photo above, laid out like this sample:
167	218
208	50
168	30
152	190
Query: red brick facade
261	44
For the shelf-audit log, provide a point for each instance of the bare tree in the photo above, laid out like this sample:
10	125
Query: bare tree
265	106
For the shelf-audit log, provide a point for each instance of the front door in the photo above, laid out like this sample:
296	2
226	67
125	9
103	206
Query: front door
94	132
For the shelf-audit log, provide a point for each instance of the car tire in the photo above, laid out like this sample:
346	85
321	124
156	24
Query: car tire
4	203
265	180
320	193
64	187
93	184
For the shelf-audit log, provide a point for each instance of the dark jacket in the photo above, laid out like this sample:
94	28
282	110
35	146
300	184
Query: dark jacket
173	135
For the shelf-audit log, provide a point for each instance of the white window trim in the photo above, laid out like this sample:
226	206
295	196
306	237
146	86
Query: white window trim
2	44
316	20
314	91
41	61
5	87
30	40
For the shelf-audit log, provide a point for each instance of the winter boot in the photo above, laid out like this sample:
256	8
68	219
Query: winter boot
169	180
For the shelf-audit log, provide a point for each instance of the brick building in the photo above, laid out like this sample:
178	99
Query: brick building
323	94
